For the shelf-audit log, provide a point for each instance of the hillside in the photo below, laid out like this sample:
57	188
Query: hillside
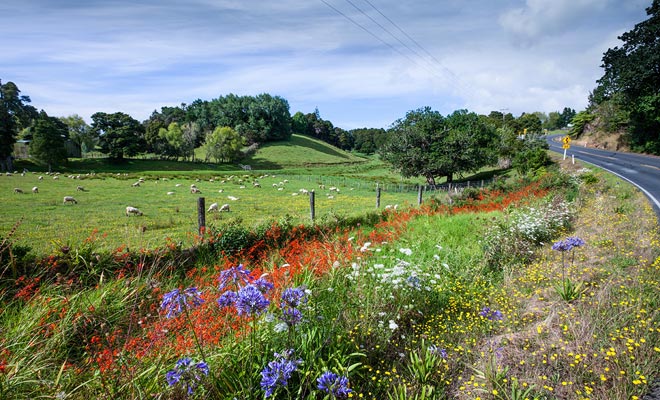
300	151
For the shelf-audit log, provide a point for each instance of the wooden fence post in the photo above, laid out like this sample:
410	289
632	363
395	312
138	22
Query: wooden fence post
419	195
312	211
201	215
377	196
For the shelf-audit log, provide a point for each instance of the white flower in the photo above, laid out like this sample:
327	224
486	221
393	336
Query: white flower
438	247
365	247
281	327
406	251
393	325
436	257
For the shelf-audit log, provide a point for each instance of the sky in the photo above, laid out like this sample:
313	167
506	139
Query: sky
362	63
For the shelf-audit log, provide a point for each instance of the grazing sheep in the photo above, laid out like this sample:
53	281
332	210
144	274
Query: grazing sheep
232	198
256	184
170	193
224	207
18	190
35	190
177	185
41	178
80	189
213	207
56	177
132	210
136	184
70	199
195	190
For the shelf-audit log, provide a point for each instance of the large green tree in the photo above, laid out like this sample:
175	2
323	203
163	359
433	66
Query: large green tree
15	114
223	145
48	138
119	134
427	144
80	133
633	69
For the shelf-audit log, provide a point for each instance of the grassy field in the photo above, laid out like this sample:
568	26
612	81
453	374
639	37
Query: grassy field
46	224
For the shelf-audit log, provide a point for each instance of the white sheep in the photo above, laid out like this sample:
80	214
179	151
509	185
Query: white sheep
136	184
70	199
18	190
35	190
41	178
232	198
170	193
195	190
80	188
213	207
132	210
256	184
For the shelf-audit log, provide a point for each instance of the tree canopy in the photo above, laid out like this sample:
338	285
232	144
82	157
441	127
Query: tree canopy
633	71
15	114
427	144
119	134
48	138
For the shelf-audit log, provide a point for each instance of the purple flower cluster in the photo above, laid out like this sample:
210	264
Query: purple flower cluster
493	315
437	351
234	277
175	301
250	301
187	373
334	385
247	294
278	372
568	244
292	298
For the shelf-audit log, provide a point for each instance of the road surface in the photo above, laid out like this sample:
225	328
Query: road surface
640	170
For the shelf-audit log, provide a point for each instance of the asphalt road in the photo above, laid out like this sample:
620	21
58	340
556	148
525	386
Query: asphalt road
640	170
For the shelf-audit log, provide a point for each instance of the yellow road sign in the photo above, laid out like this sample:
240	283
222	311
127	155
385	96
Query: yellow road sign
566	140
566	146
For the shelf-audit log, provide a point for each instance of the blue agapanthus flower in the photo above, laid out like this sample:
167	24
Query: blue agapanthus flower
438	351
278	371
227	299
568	244
291	316
175	301
334	385
292	297
234	277
493	315
251	301
187	373
263	285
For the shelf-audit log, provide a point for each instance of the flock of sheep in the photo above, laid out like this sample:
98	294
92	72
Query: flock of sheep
242	183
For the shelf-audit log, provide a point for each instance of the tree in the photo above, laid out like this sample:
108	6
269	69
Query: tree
173	137
634	71
223	145
529	124
119	134
426	144
554	121
80	133
567	116
15	114
48	138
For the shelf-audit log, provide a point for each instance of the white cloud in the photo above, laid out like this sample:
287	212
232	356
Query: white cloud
540	18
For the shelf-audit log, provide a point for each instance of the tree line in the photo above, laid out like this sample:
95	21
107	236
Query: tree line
627	96
424	143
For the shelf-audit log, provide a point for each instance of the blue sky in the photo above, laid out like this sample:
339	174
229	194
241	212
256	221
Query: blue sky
343	56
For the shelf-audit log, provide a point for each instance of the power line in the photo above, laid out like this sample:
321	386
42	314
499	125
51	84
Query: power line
431	56
455	81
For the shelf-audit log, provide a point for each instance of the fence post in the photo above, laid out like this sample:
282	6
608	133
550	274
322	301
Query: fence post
201	215
377	196
312	212
419	195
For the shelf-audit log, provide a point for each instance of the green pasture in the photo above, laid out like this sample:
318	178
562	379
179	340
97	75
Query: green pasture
47	223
